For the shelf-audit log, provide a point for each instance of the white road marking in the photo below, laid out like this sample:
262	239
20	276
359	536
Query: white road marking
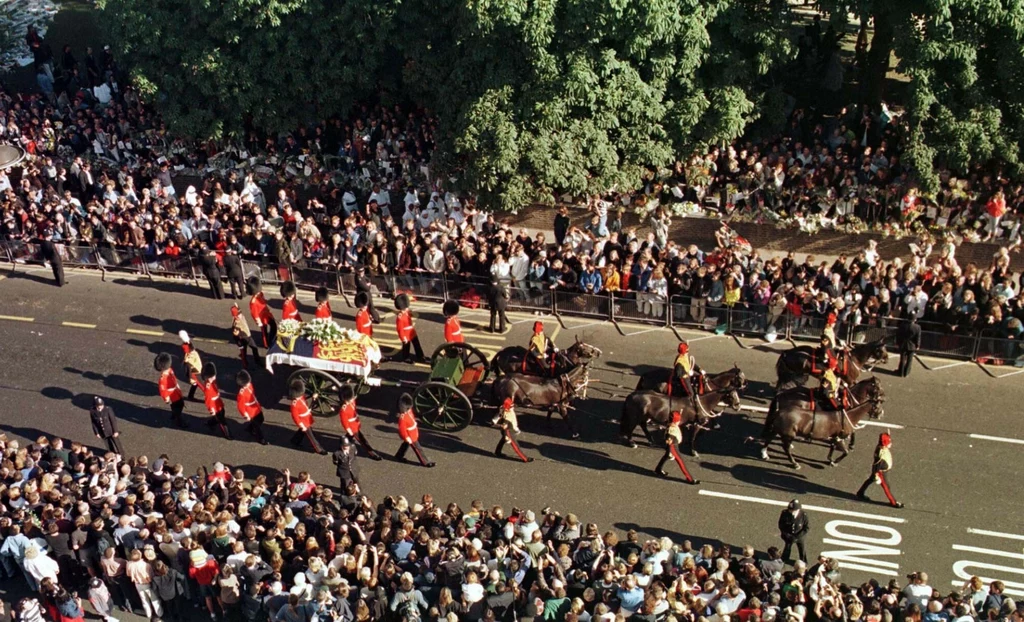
977	549
17	318
874	569
878	424
641	332
815	508
957	364
703	338
1000	439
77	325
757	409
579	326
995	534
481	333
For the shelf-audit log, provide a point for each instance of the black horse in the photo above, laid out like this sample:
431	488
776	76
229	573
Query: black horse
798	364
510	360
867	389
658	379
792	414
549	394
642	407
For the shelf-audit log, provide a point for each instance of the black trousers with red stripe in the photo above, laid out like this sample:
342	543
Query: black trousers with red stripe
882	481
416	449
362	441
220	420
673	453
177	408
508	438
307	433
255	427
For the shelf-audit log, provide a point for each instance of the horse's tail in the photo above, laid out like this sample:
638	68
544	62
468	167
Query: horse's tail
769	421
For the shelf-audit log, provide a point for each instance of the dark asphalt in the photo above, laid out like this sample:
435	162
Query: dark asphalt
954	486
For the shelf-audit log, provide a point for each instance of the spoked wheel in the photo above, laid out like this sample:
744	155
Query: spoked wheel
442	406
471	356
321	391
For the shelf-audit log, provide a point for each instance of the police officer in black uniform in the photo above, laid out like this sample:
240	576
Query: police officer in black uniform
497	300
104	425
793	528
50	253
908	338
236	276
363	285
208	263
345	462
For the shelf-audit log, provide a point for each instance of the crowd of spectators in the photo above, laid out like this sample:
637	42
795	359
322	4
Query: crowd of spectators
146	537
102	167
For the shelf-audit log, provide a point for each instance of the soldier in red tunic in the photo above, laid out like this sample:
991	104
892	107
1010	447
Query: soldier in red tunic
350	420
260	312
364	322
290	306
452	325
323	303
407	330
302	416
214	402
673	437
249	407
169	390
409	431
507	421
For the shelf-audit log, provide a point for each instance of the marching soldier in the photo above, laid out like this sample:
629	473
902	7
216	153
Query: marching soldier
406	329
243	337
249	407
323	303
350	420
452	325
290	306
541	348
345	463
881	465
260	311
104	425
507	421
409	431
673	438
364	323
193	365
303	417
169	390
363	287
214	402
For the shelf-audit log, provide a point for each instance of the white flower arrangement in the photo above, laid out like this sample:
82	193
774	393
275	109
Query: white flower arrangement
289	328
323	330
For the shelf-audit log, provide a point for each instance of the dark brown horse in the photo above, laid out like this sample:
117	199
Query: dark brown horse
867	389
642	407
793	415
510	360
796	365
658	379
549	394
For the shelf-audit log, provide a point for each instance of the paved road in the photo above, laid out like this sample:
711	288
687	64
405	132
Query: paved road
96	337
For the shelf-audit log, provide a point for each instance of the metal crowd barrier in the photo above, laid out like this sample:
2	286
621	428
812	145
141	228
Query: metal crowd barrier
740	320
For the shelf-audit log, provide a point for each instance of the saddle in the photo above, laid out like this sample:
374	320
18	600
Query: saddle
819	362
827	403
699	385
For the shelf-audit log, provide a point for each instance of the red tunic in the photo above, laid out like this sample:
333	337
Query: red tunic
323	310
407	428
403	324
290	310
247	404
349	418
301	414
169	387
453	331
214	402
364	324
259	310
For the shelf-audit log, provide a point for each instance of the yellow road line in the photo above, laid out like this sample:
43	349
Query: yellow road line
137	331
17	318
77	325
481	333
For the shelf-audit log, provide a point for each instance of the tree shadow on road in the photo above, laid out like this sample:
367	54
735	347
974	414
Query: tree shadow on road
127	384
592	459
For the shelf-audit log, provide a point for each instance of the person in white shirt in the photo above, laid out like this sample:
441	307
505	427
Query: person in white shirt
519	266
918	591
40	565
500	269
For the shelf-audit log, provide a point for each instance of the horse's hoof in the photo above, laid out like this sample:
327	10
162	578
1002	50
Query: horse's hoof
631	444
696	455
764	454
796	467
832	463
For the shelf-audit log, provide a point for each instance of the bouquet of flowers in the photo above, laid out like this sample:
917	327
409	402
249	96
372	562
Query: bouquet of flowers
289	328
323	330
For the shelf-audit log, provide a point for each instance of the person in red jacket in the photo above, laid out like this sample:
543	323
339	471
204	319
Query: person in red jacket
249	407
409	431
323	303
302	416
364	321
260	312
204	569
214	402
508	423
406	329
169	390
995	208
290	306
350	420
452	325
